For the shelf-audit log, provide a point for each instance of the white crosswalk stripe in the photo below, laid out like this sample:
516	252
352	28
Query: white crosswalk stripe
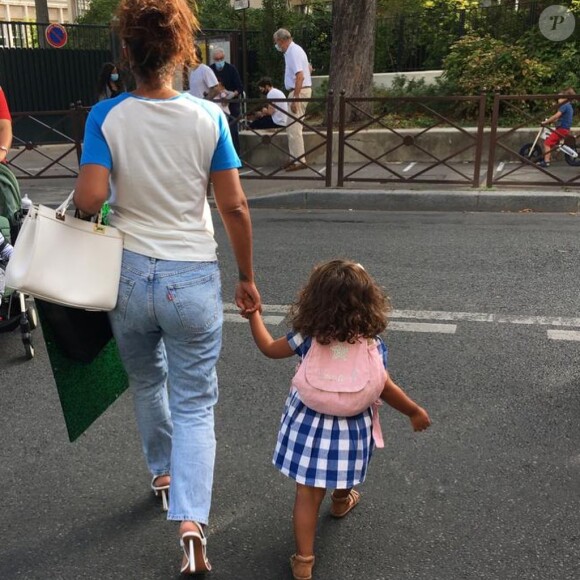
400	320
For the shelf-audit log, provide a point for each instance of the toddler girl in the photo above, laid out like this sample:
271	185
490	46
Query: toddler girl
340	302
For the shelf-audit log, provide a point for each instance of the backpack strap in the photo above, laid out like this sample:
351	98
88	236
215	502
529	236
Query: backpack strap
377	431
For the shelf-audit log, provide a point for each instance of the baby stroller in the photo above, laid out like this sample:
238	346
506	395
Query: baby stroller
16	308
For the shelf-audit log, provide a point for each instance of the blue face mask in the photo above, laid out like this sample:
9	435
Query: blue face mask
114	77
219	64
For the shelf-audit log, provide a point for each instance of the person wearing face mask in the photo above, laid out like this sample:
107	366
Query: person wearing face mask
298	81
109	84
227	74
272	115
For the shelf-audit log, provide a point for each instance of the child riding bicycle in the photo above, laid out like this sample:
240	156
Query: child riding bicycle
563	120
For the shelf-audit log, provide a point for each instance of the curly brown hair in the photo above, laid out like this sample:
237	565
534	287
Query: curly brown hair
340	301
159	35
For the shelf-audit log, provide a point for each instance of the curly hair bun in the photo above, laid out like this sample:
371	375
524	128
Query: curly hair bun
158	33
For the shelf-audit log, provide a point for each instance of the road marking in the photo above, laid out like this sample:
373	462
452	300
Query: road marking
444	316
483	317
423	327
501	166
564	335
273	320
412	164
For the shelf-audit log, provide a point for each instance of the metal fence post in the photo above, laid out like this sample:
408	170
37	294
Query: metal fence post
492	140
329	136
479	140
78	128
341	115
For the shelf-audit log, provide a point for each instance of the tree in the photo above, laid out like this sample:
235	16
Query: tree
352	52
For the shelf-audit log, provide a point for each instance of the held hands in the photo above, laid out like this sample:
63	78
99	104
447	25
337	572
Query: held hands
294	107
247	298
420	419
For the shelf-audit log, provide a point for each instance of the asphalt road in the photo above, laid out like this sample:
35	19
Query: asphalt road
483	303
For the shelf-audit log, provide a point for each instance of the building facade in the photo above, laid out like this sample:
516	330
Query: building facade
63	11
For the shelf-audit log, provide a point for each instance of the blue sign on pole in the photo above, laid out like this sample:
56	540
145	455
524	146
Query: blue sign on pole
56	35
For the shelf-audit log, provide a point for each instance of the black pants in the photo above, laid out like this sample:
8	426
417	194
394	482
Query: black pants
265	123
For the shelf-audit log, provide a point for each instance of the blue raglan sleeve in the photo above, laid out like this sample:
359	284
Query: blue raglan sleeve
225	156
95	148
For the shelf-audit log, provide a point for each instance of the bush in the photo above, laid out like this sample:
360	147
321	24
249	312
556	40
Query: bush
485	64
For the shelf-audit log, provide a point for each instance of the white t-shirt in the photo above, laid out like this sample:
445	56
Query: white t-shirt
160	153
278	117
201	80
296	61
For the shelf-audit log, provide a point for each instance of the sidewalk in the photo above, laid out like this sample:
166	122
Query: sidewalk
304	194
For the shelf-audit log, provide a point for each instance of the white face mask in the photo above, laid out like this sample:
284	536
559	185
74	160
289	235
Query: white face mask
278	47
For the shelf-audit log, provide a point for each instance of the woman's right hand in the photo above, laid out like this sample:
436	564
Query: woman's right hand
248	298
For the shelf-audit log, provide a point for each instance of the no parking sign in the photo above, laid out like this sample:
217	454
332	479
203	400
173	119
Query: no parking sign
56	35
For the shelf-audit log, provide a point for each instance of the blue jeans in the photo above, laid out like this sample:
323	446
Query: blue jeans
168	327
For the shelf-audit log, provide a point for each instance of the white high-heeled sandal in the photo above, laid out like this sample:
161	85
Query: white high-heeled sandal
162	490
194	545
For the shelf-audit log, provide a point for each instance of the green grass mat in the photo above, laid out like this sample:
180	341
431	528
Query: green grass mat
86	391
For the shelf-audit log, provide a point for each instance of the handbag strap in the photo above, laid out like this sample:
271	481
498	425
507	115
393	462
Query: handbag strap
63	207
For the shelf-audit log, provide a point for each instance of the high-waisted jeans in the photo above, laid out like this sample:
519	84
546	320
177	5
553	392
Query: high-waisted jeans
168	327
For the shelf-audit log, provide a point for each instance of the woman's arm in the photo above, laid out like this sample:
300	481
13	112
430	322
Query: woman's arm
278	348
92	188
233	207
394	396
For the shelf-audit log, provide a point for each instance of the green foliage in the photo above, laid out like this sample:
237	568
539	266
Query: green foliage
486	64
99	12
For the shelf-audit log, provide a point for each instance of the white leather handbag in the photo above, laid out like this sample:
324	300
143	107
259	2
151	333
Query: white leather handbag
66	260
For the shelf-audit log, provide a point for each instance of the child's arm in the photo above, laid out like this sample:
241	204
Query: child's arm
278	348
394	396
553	118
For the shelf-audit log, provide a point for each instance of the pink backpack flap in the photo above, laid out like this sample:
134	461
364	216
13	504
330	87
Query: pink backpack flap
341	379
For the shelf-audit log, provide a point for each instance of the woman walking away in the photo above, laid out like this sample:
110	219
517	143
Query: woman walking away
330	421
160	148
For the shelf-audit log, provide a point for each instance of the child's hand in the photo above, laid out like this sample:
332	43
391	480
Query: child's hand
420	419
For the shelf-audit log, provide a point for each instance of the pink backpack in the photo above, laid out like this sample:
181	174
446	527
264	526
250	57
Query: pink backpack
342	379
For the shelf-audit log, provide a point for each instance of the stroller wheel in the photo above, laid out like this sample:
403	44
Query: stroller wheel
29	350
32	316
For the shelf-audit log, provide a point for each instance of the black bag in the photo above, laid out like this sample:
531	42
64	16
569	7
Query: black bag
80	334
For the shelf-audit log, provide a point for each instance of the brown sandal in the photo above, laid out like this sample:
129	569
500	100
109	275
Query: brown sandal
301	566
342	505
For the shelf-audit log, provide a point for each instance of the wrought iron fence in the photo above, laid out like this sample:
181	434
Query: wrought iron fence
31	35
399	154
410	140
516	156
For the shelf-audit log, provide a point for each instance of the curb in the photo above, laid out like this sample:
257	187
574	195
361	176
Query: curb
473	201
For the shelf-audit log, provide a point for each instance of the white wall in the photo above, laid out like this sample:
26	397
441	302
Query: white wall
385	80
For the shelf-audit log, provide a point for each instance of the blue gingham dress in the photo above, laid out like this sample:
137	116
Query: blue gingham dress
323	450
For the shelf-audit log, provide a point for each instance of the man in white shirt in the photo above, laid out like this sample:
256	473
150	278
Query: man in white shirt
298	81
202	80
270	116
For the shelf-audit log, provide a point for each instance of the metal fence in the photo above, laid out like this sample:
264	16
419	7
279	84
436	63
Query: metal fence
514	162
399	140
31	35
